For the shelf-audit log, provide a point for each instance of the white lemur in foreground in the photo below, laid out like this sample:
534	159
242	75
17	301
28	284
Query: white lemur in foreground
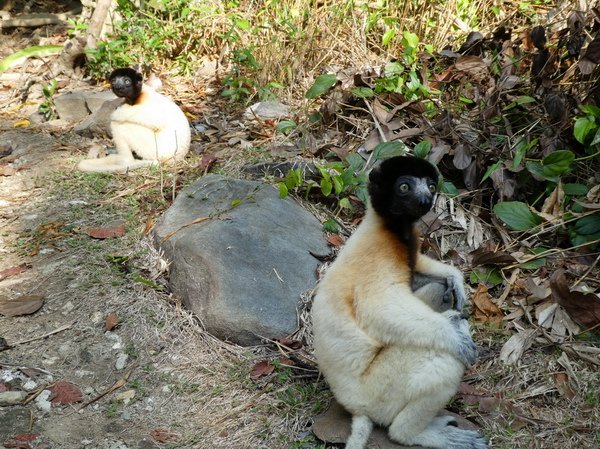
389	358
147	129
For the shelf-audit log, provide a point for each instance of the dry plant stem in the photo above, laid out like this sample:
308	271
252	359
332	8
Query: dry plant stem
551	251
196	221
55	331
381	133
587	272
118	384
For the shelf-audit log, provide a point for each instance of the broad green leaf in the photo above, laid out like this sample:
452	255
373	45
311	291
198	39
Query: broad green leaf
36	51
321	85
387	37
326	187
386	150
575	189
558	163
491	169
588	225
345	203
486	276
242	24
410	39
283	190
286	126
330	225
447	188
596	139
533	264
516	215
363	92
537	169
355	161
524	100
590	109
338	185
422	149
583	126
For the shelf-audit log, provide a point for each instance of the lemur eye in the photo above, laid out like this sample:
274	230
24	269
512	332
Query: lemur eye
404	187
432	188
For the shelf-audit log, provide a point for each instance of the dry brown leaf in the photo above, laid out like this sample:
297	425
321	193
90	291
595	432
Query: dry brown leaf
470	395
13	271
106	233
516	345
335	240
261	369
583	308
561	380
112	320
20	441
289	343
207	162
164	436
482	256
23	305
65	393
473	65
485	310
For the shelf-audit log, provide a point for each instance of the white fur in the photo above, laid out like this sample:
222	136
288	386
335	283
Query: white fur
154	129
388	357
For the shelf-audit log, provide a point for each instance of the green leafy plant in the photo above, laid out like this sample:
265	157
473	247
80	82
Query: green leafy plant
47	108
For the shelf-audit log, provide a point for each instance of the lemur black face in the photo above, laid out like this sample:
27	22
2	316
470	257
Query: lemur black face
126	83
402	188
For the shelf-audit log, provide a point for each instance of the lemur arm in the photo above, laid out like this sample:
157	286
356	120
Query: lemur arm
454	277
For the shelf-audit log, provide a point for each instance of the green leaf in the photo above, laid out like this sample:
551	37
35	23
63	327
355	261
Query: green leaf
524	100
575	189
326	186
330	225
516	215
410	39
486	276
596	139
590	109
533	264
422	149
355	161
387	37
286	126
583	126
386	150
363	92
338	185
448	188
491	169
243	24
283	190
558	163
321	85
36	51
588	225
235	203
345	203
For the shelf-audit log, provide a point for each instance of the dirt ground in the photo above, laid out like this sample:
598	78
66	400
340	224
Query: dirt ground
178	385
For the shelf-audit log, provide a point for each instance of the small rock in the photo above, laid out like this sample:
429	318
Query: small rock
89	390
86	442
166	389
50	361
42	401
267	110
121	361
12	397
71	106
125	416
65	349
29	385
68	307
118	445
97	318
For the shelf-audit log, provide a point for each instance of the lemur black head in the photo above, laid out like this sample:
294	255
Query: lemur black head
402	189
126	83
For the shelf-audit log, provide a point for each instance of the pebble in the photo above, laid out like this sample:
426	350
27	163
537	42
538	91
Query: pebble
68	307
29	385
97	317
121	361
12	397
42	402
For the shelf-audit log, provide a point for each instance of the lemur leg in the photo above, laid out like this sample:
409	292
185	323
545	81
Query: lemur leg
361	430
436	292
441	432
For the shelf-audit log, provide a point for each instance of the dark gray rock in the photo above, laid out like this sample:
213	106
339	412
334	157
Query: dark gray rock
240	256
98	123
71	106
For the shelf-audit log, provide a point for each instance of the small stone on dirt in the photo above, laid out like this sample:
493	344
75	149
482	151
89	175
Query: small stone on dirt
42	402
12	397
121	361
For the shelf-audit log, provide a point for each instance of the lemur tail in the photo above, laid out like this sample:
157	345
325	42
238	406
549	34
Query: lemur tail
361	430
